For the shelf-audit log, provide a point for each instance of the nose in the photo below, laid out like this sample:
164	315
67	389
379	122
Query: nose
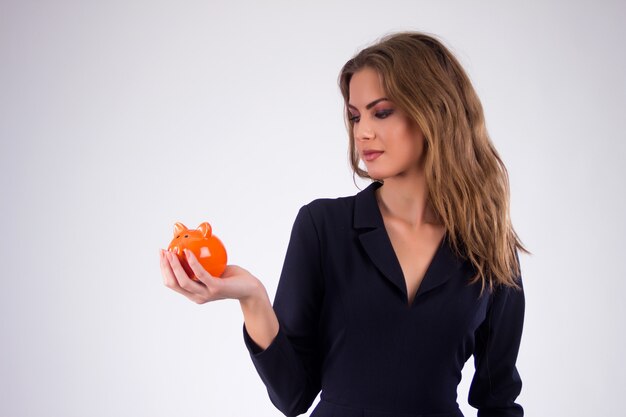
363	130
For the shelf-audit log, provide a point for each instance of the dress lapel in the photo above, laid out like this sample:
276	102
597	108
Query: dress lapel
374	238
443	266
368	221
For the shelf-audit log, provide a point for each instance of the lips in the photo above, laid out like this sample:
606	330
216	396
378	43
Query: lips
370	155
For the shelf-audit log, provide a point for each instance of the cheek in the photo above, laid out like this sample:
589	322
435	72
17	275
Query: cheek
418	144
412	146
418	147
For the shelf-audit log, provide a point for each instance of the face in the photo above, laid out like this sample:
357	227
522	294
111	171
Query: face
388	142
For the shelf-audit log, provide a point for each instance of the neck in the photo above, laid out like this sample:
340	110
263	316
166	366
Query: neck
404	198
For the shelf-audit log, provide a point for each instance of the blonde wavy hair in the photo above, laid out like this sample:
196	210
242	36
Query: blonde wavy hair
468	184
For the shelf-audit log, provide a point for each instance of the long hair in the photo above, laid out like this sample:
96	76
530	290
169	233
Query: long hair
468	184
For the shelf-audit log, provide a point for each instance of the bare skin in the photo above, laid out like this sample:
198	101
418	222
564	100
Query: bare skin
235	283
415	247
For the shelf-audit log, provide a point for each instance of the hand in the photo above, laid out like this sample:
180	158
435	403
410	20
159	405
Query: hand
235	283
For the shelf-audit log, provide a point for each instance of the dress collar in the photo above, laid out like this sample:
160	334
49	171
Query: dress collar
368	222
366	211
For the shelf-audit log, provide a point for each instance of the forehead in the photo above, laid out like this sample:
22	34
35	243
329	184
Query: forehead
366	85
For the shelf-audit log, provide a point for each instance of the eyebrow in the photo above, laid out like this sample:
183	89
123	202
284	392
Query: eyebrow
372	104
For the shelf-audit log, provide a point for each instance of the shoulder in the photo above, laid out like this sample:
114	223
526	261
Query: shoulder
328	214
329	209
342	212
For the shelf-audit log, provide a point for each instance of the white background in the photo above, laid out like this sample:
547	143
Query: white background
119	118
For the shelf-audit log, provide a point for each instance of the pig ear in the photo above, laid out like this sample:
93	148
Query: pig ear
206	229
179	228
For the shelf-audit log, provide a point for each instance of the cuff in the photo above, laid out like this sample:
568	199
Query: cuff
258	352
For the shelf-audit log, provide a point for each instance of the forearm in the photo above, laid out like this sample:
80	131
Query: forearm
259	317
289	370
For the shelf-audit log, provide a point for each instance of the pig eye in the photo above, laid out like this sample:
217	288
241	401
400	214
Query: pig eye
186	235
177	236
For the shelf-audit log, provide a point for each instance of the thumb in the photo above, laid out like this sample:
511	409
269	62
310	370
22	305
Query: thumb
232	270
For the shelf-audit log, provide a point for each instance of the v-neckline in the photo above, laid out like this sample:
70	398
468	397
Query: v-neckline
375	241
427	272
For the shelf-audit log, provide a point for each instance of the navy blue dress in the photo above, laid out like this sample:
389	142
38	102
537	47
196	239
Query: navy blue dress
347	329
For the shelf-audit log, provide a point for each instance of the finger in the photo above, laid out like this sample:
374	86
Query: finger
202	274
169	279
212	284
181	276
172	283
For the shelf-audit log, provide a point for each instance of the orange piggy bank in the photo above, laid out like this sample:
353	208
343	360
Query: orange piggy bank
207	248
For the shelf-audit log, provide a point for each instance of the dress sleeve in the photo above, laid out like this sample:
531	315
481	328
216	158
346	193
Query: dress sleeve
290	367
497	383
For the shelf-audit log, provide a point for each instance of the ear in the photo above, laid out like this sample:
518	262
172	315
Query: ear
179	228
206	229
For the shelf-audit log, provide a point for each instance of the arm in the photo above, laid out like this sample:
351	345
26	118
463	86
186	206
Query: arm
260	319
497	383
290	365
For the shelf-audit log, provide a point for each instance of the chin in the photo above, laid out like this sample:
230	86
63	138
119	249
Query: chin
381	172
378	175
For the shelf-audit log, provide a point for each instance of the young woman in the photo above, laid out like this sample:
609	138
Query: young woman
386	294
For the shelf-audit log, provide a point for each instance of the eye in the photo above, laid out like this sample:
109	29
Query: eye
383	114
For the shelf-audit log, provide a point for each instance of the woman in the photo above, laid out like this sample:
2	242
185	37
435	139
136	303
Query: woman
386	294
